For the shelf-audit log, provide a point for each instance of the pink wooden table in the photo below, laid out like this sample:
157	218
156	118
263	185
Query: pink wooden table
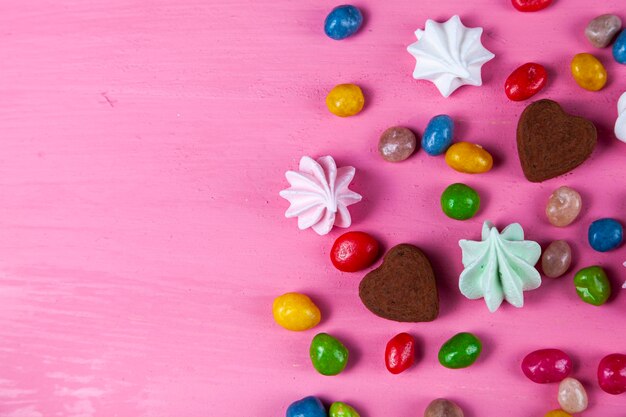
142	238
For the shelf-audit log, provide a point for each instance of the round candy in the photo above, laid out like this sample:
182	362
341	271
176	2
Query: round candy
556	259
619	48
612	373
342	22
601	30
469	158
339	409
605	234
592	285
572	396
460	202
443	408
400	353
306	407
530	5
588	72
354	251
563	206
460	351
397	144
557	413
547	365
525	81
328	355
438	135
296	312
345	100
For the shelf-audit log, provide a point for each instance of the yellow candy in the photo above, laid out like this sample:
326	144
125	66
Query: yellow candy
295	311
588	72
557	413
469	158
345	100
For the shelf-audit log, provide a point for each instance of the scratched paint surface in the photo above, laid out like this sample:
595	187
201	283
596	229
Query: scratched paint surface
141	233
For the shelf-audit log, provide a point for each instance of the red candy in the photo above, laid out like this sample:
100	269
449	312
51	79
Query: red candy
547	365
525	81
354	251
530	5
612	373
400	353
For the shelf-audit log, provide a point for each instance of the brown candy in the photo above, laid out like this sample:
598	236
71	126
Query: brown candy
443	408
556	259
403	288
397	144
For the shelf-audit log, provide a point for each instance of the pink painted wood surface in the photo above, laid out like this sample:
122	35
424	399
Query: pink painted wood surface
142	238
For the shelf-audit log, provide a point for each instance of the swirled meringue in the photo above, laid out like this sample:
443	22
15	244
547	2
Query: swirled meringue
449	55
620	123
500	267
319	194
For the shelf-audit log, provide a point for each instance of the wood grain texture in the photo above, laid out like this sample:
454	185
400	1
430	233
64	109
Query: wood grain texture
142	238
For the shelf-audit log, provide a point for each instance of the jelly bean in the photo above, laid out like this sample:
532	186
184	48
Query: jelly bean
460	202
592	285
328	355
601	30
619	48
557	413
443	408
563	206
530	5
547	365
397	144
296	312
342	22
556	259
354	251
612	373
605	234
588	72
572	396
469	158
525	81
339	409
400	353
438	135
345	100
306	407
460	351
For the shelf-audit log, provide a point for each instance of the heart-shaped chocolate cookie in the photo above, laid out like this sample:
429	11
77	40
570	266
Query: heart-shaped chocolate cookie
551	142
403	288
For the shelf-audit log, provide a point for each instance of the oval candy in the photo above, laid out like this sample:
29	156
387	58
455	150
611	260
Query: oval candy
328	355
397	144
612	373
572	396
460	202
460	351
601	30
592	285
546	366
619	48
605	234
345	100
438	135
354	251
296	312
400	353
588	72
563	206
556	259
343	22
339	409
525	81
306	407
468	158
530	5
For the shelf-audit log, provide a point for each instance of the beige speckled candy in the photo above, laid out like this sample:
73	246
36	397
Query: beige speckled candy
601	30
397	144
443	408
572	396
564	206
556	259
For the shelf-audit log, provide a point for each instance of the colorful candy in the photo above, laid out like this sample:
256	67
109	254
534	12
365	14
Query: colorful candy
612	373
339	409
345	100
601	30
530	5
557	413
328	355
295	311
460	202
572	396
556	259
306	407
397	144
343	22
438	135
605	234
460	351
588	72
547	365
354	251
400	353
525	81
443	408
619	48
592	285
469	158
563	206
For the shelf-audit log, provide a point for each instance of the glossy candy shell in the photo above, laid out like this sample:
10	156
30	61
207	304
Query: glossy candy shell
525	81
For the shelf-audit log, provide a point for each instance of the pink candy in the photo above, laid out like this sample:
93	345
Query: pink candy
547	365
612	373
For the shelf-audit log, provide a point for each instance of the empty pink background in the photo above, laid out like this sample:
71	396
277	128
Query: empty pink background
142	238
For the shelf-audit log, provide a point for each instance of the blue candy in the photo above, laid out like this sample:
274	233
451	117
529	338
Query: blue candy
342	22
619	48
306	407
438	135
605	234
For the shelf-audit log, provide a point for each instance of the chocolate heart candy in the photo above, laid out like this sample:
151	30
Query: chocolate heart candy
550	142
403	288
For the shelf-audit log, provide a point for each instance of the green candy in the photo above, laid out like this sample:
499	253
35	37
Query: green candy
460	202
592	285
460	351
339	409
329	355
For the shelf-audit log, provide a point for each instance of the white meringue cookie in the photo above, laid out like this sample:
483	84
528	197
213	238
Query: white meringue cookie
620	123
